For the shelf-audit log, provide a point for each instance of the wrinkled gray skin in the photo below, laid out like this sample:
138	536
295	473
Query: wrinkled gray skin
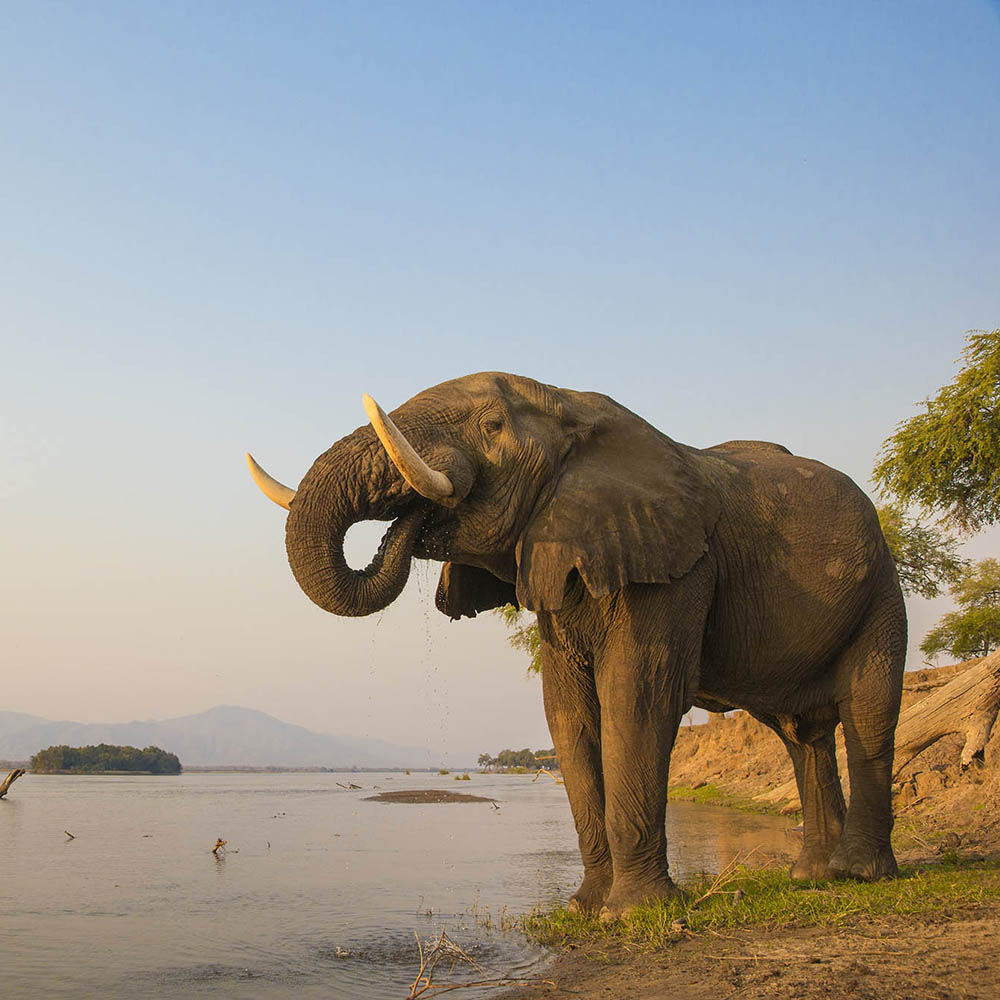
663	576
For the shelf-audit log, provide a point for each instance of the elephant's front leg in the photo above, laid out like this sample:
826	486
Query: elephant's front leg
636	753
573	715
642	686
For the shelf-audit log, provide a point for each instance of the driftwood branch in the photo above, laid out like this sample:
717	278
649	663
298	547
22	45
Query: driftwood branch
10	779
967	704
545	770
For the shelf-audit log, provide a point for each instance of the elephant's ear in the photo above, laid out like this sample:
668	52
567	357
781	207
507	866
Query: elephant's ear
631	506
464	591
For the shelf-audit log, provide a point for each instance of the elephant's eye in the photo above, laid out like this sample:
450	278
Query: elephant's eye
492	425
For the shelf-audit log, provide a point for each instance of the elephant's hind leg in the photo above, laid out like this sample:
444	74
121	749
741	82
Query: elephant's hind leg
810	743
870	683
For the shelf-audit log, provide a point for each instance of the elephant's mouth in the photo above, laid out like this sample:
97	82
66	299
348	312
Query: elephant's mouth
436	532
433	538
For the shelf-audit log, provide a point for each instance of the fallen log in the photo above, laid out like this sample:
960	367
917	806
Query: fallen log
10	779
967	705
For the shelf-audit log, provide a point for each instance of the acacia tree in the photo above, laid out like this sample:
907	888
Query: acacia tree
926	558
974	630
948	457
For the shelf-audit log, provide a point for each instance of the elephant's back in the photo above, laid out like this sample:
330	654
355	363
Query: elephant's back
749	447
801	558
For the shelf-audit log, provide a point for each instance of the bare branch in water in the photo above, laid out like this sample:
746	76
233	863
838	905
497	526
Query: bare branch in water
446	950
545	770
10	779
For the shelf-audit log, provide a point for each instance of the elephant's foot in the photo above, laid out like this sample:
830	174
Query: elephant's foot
624	899
812	866
864	861
593	891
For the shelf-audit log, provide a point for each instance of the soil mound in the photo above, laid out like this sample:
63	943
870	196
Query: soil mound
423	795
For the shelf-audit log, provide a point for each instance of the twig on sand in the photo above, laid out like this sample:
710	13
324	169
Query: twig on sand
445	950
727	876
920	840
10	779
70	835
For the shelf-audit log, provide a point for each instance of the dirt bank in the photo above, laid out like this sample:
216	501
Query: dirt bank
933	797
423	795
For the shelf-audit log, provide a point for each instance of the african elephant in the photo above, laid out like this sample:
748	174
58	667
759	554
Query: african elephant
663	576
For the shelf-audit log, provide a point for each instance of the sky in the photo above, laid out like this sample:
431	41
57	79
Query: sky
221	223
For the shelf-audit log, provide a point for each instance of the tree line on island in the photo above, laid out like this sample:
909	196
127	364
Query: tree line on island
519	761
104	758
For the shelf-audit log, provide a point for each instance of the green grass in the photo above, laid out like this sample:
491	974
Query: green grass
769	898
714	796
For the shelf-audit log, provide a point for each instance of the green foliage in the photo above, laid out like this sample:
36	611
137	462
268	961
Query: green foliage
926	558
520	760
948	457
974	630
523	636
769	898
104	757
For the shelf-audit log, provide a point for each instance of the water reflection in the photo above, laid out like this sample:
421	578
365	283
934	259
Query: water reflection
319	892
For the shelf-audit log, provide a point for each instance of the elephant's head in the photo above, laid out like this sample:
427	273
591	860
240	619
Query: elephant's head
514	485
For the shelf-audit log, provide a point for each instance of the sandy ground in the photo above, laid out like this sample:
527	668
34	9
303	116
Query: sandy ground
952	955
420	796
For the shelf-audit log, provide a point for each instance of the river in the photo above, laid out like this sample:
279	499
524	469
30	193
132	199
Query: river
318	892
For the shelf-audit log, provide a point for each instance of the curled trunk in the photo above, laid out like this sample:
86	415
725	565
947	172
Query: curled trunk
353	481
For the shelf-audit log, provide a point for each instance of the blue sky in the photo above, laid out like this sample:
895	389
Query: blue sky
221	223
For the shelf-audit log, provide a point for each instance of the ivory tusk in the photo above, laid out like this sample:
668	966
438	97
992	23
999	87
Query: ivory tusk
271	488
426	481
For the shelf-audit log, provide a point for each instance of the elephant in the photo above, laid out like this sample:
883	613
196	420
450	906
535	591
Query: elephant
663	576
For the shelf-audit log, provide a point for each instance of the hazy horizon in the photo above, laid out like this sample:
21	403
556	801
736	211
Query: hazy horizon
223	224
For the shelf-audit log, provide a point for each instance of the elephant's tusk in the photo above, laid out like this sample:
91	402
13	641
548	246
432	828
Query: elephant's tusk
271	488
426	481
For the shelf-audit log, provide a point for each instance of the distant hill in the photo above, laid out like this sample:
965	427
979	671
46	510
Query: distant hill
222	736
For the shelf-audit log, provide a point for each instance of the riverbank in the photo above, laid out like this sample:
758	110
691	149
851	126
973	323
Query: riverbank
929	934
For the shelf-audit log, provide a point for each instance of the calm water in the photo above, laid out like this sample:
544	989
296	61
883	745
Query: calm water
320	892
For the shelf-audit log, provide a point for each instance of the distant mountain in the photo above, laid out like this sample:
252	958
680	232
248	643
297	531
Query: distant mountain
224	735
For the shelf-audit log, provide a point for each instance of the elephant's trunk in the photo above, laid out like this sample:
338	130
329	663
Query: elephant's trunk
353	481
